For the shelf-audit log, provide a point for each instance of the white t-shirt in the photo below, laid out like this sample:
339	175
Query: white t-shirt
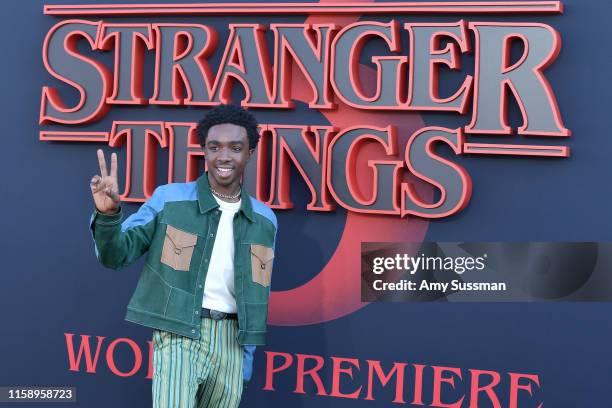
219	291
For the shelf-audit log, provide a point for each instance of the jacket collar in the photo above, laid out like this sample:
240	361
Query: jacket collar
207	202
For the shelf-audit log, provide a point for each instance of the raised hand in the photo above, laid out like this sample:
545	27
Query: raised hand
104	188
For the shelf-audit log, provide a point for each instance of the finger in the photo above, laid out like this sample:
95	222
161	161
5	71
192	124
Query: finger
95	183
114	166
112	194
102	163
97	189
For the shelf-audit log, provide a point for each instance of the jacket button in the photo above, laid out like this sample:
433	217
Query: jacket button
212	235
193	330
197	312
200	286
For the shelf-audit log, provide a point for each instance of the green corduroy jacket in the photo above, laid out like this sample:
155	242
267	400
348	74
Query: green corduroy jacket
177	227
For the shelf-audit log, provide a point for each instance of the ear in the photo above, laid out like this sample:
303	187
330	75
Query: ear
250	154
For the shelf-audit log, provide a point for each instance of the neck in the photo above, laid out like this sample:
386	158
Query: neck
229	193
227	199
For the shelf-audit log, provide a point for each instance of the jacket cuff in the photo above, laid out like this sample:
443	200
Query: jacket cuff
107	219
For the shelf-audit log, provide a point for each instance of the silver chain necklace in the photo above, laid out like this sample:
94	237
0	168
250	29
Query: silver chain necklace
227	197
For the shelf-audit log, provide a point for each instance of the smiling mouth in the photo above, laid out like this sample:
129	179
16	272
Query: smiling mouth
224	172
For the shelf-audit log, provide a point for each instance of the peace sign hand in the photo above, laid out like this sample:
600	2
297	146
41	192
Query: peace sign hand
104	188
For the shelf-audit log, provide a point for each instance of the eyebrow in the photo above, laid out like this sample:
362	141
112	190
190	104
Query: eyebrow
230	142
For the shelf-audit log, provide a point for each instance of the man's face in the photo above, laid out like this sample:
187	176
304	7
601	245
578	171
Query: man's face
226	152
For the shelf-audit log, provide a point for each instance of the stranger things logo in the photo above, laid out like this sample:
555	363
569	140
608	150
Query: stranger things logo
327	56
347	85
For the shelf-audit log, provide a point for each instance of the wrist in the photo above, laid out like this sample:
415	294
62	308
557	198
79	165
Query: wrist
108	219
114	211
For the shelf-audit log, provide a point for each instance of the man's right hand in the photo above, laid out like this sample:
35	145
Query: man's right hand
104	188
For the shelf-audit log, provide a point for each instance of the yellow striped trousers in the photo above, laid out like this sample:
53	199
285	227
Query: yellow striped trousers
200	373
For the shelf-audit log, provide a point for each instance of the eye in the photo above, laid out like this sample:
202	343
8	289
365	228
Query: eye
237	148
213	148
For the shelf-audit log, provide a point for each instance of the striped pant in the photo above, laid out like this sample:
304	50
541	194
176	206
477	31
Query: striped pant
200	373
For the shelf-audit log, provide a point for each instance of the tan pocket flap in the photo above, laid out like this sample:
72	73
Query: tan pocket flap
261	264
178	248
180	239
263	253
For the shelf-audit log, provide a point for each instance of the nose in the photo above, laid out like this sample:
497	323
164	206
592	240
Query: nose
225	155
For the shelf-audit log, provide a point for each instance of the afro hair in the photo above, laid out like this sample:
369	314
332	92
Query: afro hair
229	114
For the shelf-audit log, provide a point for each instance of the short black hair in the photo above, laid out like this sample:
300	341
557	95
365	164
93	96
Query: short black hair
229	114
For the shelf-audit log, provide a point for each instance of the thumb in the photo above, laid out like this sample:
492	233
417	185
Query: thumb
112	194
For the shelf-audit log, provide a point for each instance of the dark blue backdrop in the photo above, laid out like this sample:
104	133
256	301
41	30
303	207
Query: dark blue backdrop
52	283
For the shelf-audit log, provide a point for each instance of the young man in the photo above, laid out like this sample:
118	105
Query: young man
206	280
